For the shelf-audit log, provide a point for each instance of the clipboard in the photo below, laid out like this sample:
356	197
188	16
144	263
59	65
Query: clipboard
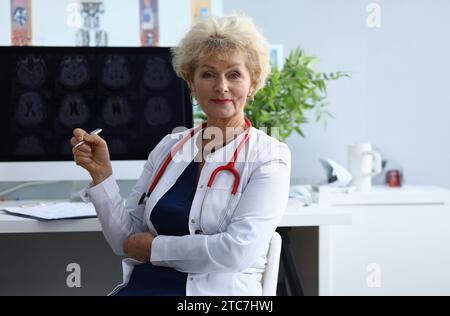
53	211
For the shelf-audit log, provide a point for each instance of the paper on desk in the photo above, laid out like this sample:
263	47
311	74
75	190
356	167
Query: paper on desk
51	211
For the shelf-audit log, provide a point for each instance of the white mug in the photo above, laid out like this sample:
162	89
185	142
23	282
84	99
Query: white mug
364	163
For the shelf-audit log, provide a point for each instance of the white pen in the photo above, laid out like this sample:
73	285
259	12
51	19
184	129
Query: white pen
95	132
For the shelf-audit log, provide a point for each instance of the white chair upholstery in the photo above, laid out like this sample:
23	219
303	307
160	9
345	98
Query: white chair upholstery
270	275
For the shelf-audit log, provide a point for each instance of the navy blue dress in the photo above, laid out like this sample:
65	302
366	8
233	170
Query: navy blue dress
170	216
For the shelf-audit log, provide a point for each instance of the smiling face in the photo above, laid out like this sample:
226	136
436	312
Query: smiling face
222	85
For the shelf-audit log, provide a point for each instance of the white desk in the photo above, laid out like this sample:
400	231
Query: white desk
398	243
295	216
322	217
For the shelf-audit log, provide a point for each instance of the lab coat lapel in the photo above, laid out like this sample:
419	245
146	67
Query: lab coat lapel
180	161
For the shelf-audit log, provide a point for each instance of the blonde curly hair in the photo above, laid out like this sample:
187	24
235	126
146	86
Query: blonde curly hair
223	36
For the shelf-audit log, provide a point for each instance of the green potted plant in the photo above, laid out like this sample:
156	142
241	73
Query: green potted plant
287	95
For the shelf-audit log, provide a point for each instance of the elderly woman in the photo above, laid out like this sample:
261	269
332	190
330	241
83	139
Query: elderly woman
201	228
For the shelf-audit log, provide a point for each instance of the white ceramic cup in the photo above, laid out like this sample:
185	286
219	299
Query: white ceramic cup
364	163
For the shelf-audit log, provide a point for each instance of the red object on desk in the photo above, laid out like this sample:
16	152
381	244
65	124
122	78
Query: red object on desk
394	178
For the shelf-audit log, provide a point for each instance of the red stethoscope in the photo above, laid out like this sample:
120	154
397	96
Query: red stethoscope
228	167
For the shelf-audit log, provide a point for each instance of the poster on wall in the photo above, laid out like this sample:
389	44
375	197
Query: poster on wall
201	10
149	22
21	22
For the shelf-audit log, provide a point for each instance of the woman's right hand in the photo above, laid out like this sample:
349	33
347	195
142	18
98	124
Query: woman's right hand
93	155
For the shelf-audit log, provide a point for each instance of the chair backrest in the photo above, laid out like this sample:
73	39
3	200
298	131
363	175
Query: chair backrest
270	275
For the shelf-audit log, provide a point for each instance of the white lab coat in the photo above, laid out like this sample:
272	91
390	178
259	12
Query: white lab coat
230	257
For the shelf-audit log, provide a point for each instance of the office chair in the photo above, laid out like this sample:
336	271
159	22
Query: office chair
270	275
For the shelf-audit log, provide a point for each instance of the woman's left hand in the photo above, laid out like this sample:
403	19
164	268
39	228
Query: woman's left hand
139	246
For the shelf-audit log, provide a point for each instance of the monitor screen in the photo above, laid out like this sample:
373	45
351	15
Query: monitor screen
131	93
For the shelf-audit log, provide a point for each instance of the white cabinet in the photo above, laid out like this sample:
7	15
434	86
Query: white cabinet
398	243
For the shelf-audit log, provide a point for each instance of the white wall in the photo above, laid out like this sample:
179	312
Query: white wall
120	21
397	97
5	22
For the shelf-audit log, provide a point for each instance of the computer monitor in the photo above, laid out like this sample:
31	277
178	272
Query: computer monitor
131	93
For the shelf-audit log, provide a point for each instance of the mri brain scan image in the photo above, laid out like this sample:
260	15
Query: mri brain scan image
131	93
116	74
29	145
30	110
74	72
157	111
74	110
116	111
31	71
156	73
